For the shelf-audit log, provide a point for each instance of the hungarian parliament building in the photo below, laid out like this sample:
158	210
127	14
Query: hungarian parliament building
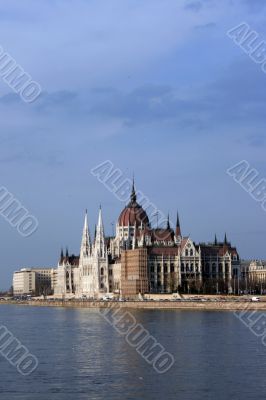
141	259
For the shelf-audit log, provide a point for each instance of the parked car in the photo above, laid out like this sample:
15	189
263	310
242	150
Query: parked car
255	299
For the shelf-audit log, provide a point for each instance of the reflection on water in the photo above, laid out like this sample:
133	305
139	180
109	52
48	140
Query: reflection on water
82	357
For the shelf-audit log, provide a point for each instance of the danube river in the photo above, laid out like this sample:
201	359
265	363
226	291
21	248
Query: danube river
81	356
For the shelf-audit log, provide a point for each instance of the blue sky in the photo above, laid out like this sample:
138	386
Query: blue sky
155	86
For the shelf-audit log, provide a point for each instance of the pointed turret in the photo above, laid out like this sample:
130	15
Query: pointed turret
100	248
61	255
215	240
177	229
133	196
225	239
67	255
85	248
95	229
168	222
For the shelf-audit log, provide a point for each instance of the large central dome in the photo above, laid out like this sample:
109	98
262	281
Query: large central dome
133	213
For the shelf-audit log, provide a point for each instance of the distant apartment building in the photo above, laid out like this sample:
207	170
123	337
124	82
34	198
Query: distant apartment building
24	282
254	271
35	281
46	279
257	270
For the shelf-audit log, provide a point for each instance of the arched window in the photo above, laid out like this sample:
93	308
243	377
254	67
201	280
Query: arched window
191	252
102	271
186	252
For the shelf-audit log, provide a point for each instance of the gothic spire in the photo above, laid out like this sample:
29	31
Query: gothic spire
133	196
177	229
61	255
95	229
225	239
168	222
99	239
85	247
215	240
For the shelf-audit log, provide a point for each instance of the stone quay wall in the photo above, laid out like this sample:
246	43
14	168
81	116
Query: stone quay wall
149	305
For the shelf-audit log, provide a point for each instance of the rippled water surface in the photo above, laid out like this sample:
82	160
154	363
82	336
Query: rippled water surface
82	357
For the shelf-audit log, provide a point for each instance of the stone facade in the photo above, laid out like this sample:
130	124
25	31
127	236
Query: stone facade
143	259
34	281
134	274
255	271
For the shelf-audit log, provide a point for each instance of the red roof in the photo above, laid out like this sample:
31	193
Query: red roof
218	250
133	214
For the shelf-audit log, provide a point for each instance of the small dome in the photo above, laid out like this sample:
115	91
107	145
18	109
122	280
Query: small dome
133	213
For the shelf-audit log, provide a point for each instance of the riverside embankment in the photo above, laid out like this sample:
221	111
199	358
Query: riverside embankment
150	305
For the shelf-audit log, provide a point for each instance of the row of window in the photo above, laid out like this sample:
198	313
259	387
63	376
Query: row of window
165	268
207	268
189	253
